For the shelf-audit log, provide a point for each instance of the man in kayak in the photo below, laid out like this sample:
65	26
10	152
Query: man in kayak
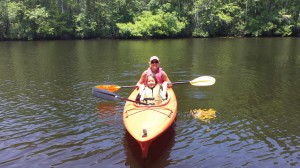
161	76
152	93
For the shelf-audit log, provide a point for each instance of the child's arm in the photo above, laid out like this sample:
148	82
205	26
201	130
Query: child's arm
164	90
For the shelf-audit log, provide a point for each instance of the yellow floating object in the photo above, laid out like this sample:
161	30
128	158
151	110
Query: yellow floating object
204	114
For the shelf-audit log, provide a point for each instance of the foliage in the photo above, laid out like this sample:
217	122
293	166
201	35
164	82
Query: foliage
53	19
37	19
84	26
161	24
14	19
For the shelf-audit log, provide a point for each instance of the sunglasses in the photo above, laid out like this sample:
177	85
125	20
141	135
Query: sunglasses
154	62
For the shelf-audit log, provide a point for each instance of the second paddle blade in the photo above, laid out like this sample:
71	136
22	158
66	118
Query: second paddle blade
104	94
111	88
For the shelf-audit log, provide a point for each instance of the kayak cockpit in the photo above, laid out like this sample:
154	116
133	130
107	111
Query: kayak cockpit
149	101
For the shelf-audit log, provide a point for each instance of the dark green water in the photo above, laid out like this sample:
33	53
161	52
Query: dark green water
48	117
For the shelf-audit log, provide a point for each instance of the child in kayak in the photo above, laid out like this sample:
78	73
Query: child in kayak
152	94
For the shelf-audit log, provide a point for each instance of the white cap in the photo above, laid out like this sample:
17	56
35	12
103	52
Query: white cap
154	58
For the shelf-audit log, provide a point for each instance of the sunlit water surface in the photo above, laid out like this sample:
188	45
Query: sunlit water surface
48	117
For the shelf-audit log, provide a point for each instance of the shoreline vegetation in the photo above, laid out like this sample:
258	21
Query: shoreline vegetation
146	19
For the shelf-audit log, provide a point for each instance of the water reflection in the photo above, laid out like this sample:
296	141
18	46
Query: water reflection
108	112
159	152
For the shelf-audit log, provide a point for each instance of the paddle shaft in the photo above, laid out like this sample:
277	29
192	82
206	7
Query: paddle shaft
174	83
185	82
132	86
113	96
200	81
122	98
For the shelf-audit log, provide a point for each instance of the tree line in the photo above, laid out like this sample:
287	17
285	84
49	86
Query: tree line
83	19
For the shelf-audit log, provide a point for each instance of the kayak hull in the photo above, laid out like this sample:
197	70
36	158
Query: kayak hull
147	122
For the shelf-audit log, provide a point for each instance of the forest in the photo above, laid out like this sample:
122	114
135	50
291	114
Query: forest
87	19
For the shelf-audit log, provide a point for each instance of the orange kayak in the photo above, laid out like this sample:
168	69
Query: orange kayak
147	122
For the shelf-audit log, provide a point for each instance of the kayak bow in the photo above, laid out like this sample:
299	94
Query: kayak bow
145	123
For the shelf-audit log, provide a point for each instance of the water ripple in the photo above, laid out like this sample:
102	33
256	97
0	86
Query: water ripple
233	140
56	130
48	117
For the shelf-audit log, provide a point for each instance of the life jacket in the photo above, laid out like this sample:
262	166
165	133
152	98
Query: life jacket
152	96
158	75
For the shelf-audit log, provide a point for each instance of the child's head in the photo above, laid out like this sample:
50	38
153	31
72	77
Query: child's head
151	81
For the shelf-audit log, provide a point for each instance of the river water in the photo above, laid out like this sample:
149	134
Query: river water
49	118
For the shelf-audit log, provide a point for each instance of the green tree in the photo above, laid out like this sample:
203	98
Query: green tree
3	20
37	20
67	19
84	27
15	14
161	24
229	20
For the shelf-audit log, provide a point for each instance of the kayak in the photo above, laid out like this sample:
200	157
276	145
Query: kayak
145	123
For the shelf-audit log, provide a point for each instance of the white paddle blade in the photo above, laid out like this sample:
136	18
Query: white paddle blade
203	81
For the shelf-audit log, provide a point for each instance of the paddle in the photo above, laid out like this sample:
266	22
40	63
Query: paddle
113	88
104	94
200	81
